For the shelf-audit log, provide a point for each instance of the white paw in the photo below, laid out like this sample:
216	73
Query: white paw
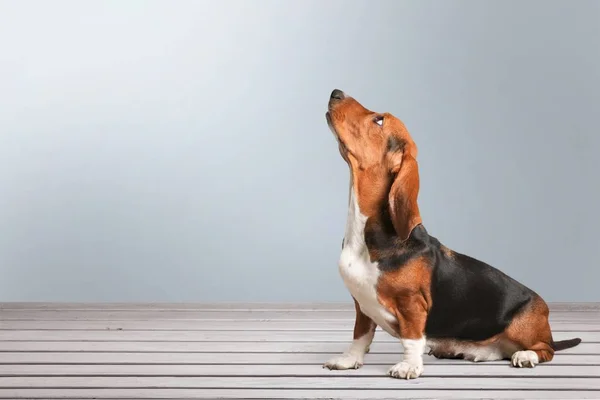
406	370
525	358
345	361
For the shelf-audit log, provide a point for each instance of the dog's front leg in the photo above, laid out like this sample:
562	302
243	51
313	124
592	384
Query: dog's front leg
364	331
412	316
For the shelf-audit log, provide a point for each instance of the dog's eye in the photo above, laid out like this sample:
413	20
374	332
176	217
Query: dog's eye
378	120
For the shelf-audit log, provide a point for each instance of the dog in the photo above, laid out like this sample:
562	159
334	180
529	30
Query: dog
408	283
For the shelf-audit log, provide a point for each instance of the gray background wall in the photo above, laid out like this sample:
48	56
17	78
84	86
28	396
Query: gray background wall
178	151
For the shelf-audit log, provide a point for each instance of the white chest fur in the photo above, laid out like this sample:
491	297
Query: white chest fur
360	275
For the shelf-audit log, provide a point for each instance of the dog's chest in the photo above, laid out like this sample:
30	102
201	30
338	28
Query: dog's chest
360	275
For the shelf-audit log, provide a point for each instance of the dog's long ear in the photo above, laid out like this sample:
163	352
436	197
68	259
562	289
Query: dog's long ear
404	209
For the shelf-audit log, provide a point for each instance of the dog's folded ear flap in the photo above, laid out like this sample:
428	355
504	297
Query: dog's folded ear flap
404	210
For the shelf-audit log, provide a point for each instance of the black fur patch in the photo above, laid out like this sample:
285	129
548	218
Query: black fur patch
471	300
393	252
395	144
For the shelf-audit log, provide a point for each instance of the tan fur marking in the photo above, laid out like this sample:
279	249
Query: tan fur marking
530	330
406	294
362	325
447	252
370	187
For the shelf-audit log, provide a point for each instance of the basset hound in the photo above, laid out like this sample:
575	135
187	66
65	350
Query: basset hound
407	282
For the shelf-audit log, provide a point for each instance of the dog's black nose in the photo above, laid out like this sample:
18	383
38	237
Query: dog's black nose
337	94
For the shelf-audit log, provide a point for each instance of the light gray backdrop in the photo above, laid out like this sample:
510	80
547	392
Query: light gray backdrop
178	150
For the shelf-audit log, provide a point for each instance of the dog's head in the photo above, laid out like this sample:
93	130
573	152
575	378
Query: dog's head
382	158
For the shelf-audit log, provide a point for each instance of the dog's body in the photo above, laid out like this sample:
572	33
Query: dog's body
408	283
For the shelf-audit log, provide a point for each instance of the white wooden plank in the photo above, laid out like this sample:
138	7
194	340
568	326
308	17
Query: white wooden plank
334	382
166	306
267	394
254	347
11	314
215	325
207	336
187	347
174	325
255	314
236	347
240	358
237	306
377	370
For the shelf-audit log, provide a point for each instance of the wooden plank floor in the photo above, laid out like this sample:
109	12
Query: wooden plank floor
259	351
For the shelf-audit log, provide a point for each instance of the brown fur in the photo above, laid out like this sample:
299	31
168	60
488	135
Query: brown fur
406	294
363	325
404	209
530	330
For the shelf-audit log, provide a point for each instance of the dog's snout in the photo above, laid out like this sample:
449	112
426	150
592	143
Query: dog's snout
337	94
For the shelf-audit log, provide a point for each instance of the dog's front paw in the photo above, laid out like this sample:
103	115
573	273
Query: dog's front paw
345	361
406	370
525	358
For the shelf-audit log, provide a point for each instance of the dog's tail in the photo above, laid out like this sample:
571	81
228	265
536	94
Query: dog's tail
565	344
